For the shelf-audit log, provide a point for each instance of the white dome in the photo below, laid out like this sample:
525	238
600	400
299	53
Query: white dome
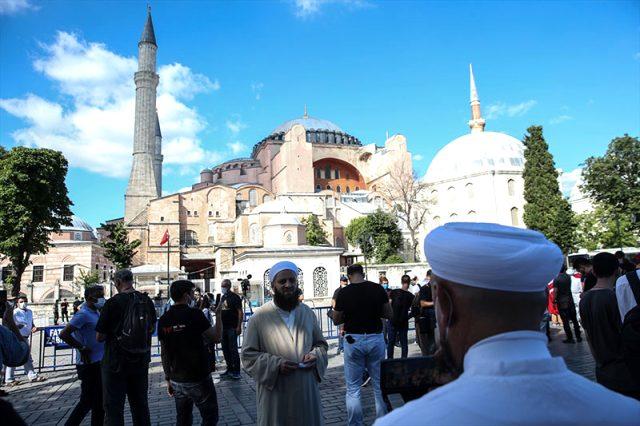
476	153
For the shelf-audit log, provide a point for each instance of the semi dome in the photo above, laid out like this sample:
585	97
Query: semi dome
476	153
309	123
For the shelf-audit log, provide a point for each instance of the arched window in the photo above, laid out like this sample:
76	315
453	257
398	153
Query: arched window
288	236
357	188
253	197
469	188
320	282
514	216
329	187
471	214
451	191
327	172
511	186
266	198
338	189
319	173
453	215
436	220
301	280
348	190
318	188
266	286
434	193
336	173
190	238
253	233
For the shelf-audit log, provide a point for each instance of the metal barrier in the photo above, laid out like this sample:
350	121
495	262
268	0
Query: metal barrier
54	354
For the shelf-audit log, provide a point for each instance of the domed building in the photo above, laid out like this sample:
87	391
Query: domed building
478	176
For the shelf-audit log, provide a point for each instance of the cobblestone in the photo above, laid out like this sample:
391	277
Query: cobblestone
52	401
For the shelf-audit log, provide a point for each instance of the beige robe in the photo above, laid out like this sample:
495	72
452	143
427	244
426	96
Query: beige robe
292	399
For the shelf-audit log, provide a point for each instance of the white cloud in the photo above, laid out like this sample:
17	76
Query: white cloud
417	157
235	125
570	182
307	8
502	109
560	119
93	125
236	147
9	7
256	88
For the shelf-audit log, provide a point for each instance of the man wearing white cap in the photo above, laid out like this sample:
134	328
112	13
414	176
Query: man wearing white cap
285	353
489	283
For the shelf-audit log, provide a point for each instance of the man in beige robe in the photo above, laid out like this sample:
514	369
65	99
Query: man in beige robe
285	353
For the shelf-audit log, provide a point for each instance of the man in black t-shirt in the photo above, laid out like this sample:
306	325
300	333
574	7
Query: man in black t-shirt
64	309
426	321
566	306
232	317
185	359
401	299
343	282
360	306
124	374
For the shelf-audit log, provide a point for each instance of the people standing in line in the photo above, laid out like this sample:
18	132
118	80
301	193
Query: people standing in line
426	322
182	332
80	334
343	282
23	318
232	317
566	306
285	352
603	325
488	319
126	324
588	279
401	299
64	309
361	306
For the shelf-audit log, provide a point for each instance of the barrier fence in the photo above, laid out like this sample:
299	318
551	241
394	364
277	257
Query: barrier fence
50	353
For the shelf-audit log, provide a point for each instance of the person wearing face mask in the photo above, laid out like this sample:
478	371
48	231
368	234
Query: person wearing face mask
489	296
23	317
80	334
232	317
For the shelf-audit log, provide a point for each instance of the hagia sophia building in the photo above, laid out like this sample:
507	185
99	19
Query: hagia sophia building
245	214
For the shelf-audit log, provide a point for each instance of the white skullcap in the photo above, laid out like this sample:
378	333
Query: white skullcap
491	256
285	265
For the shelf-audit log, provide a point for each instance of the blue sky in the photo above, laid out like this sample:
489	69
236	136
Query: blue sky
233	71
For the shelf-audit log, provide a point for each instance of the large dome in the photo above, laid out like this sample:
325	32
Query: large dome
309	123
476	153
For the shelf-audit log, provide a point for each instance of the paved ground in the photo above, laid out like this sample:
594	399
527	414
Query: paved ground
50	402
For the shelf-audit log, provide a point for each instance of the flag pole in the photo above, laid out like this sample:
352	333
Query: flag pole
168	258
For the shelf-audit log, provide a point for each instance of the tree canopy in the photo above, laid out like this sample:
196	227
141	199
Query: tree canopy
377	235
601	228
315	234
546	210
613	180
118	249
33	204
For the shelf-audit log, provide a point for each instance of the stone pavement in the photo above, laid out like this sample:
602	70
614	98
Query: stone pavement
51	402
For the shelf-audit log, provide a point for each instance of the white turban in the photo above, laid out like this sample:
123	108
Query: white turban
491	256
285	265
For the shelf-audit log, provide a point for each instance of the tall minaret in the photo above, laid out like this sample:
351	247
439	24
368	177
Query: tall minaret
157	159
477	122
143	183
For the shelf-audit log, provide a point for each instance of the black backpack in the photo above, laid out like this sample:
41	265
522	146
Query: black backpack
631	330
137	325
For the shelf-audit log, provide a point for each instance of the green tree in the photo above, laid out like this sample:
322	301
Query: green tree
545	210
601	228
377	235
614	180
118	249
316	235
87	278
33	204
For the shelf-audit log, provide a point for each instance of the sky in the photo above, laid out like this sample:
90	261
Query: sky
231	72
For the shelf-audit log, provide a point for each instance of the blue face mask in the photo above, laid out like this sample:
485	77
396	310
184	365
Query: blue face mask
385	286
100	303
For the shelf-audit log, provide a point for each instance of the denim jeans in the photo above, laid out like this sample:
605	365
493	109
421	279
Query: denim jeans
340	341
366	352
203	394
28	368
394	334
133	385
230	350
90	396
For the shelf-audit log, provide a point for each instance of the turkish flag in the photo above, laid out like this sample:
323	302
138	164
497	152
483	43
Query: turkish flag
165	237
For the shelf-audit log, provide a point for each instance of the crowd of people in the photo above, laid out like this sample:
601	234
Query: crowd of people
477	313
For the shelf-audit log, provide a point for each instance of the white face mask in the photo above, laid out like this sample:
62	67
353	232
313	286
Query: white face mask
22	305
224	290
100	303
192	303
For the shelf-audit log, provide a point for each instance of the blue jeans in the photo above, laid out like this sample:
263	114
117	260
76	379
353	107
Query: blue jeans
394	334
366	352
203	394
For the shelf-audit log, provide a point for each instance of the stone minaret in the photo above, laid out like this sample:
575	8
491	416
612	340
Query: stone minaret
157	160
144	185
477	122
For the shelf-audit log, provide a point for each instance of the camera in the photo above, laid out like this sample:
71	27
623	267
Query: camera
245	285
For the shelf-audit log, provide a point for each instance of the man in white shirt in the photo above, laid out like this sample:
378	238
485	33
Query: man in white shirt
489	295
624	295
414	288
23	317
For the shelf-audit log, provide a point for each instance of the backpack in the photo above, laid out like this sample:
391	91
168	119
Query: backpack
631	330
137	323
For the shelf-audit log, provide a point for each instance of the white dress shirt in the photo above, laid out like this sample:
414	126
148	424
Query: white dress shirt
624	295
24	320
511	379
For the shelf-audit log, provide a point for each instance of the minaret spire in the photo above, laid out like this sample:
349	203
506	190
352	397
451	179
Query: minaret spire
476	123
305	112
